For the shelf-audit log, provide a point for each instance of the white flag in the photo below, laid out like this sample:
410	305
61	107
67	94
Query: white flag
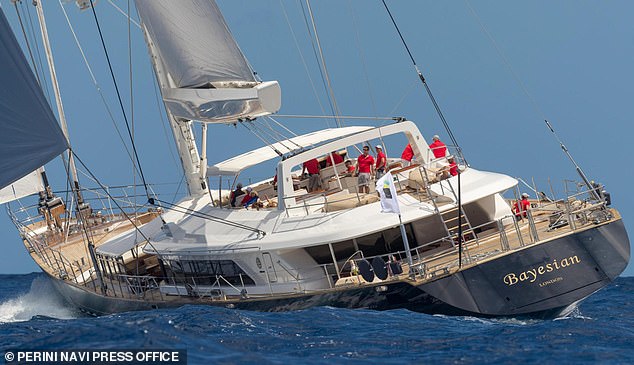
387	191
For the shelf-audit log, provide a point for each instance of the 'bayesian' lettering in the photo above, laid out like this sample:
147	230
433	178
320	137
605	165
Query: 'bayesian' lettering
532	274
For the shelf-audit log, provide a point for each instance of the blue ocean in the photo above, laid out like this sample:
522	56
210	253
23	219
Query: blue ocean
601	330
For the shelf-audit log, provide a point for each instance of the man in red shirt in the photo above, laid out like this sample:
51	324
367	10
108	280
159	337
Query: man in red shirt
312	167
349	168
365	165
437	147
521	208
449	170
453	167
334	156
381	162
407	155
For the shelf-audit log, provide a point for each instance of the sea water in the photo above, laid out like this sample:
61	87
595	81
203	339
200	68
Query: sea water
600	330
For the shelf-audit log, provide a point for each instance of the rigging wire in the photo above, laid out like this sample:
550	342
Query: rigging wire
323	65
180	183
262	139
405	95
96	84
28	45
279	133
362	57
281	125
155	88
532	101
127	15
156	95
38	53
197	214
274	135
301	55
136	155
298	116
134	171
164	123
422	79
286	129
321	71
117	204
37	47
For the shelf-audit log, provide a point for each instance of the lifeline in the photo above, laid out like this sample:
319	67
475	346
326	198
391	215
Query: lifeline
532	274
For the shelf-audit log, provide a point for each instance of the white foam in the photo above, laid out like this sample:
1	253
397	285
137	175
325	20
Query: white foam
41	300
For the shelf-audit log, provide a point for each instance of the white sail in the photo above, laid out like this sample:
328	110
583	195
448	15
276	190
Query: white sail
194	42
30	184
209	78
29	133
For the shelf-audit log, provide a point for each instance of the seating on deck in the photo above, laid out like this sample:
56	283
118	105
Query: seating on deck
346	200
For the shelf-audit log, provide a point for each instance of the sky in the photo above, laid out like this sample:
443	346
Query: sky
496	68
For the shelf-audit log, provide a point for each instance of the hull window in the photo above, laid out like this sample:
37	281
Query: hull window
207	272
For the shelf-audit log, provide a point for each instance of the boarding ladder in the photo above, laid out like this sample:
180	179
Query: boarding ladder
450	217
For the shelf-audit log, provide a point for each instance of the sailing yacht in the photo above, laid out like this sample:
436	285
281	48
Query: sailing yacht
450	243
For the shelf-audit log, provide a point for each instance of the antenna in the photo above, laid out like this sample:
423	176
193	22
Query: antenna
592	190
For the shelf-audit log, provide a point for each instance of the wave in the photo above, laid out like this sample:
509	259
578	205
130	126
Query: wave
41	301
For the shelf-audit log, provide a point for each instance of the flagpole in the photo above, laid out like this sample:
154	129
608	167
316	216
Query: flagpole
389	204
405	242
459	223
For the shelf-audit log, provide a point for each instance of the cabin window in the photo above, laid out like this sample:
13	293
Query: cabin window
343	250
394	239
372	245
206	272
427	230
321	254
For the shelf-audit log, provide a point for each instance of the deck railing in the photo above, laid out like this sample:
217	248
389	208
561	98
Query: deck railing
430	259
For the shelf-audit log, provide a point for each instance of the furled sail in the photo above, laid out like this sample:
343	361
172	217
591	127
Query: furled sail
29	133
209	78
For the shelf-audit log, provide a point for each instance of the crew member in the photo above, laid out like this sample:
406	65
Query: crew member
407	155
365	165
437	147
334	156
312	168
521	207
381	161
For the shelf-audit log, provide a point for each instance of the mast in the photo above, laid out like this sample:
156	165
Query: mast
181	129
202	74
58	99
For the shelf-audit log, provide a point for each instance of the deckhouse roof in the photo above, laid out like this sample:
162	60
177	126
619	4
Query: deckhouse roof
236	164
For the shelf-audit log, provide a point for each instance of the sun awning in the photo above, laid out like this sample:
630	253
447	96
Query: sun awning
236	164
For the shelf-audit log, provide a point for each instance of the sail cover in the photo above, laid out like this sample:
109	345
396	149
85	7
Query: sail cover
194	42
29	133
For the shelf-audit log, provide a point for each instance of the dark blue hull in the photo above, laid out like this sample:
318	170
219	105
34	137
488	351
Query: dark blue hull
542	281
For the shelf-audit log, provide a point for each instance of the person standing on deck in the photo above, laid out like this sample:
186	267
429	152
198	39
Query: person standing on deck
407	155
381	162
312	168
365	167
437	147
334	156
521	207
